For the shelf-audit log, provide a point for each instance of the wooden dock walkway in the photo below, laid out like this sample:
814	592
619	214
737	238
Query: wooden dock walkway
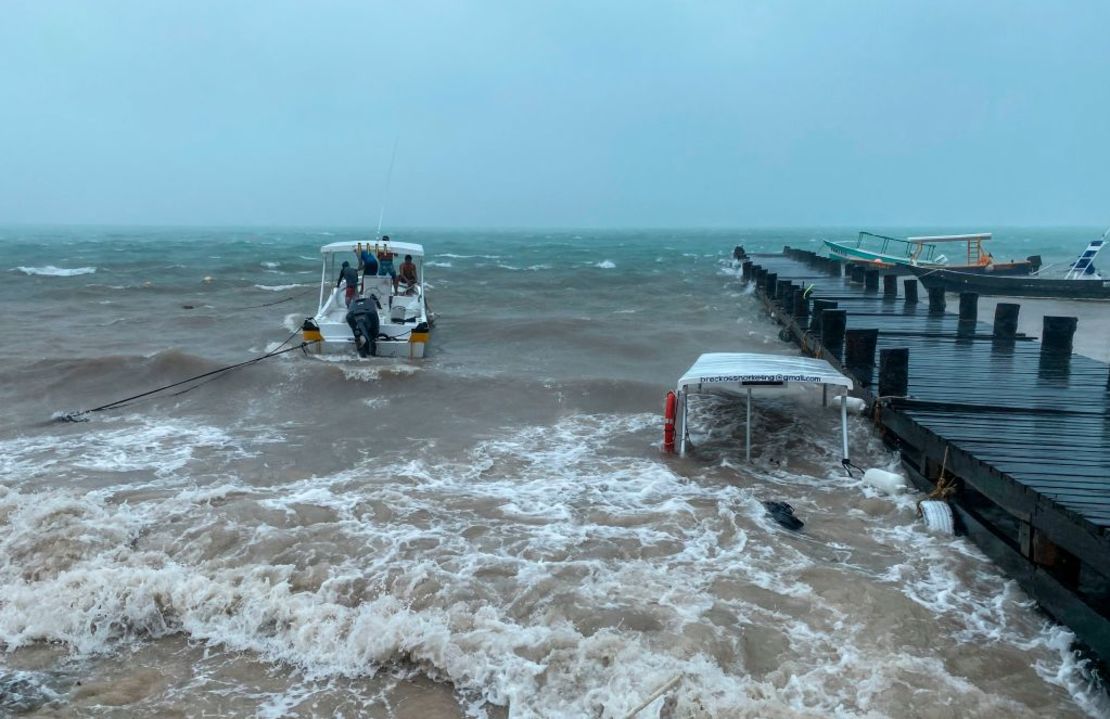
1019	429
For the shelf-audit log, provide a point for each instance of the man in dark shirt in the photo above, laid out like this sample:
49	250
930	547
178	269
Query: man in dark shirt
350	274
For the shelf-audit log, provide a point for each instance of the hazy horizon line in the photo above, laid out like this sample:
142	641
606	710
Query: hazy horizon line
980	226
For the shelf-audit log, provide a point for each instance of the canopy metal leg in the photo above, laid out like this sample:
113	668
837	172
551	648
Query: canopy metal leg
748	430
844	422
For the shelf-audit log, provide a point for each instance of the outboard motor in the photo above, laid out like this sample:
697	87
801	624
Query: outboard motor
362	318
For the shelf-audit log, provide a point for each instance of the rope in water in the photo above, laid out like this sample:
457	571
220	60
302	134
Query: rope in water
275	302
80	415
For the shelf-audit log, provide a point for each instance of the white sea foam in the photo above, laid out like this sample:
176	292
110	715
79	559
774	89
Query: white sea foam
433	263
605	265
280	288
52	271
270	265
545	569
467	257
140	445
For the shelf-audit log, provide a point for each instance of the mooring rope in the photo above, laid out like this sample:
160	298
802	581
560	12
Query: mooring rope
80	415
944	488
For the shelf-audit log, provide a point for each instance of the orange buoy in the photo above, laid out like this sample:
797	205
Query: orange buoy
669	409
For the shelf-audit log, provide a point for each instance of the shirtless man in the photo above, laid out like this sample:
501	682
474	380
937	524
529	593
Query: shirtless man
407	275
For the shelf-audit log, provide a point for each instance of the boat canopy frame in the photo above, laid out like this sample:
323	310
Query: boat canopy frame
330	251
975	253
730	372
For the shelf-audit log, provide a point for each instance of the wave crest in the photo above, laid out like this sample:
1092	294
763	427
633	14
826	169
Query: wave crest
52	271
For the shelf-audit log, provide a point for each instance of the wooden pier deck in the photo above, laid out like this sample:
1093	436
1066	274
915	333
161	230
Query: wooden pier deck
1020	429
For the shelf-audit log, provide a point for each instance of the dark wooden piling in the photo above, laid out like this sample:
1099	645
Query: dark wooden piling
1006	320
1058	333
890	286
746	270
857	273
769	281
819	307
969	307
833	324
894	372
871	280
969	313
781	287
937	303
801	304
859	353
910	286
788	299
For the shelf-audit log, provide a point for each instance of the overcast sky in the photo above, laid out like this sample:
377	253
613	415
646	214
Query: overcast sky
528	113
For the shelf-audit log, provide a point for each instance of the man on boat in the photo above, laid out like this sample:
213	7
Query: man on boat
385	261
362	318
408	275
367	263
349	275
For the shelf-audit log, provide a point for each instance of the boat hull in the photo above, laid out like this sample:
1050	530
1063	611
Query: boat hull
880	260
1010	286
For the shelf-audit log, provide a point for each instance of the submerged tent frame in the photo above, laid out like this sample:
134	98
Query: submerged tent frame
739	372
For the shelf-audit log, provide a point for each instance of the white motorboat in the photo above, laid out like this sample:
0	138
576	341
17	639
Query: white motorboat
378	321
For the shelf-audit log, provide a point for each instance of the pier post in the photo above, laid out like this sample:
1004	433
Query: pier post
894	372
790	301
1058	333
746	271
758	273
781	286
890	286
969	306
871	280
936	301
910	286
769	281
859	354
856	276
969	313
833	323
1006	320
801	305
819	307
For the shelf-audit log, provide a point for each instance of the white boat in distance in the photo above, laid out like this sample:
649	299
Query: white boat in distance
398	322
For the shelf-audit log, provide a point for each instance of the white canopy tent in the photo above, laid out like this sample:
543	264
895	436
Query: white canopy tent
739	372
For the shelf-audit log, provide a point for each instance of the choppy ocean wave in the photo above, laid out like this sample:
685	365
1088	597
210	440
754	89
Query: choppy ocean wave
563	577
279	288
52	271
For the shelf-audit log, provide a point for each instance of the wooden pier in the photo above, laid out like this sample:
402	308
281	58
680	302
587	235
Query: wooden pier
1015	432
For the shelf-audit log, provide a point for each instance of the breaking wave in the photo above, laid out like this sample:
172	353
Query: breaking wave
279	288
52	271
